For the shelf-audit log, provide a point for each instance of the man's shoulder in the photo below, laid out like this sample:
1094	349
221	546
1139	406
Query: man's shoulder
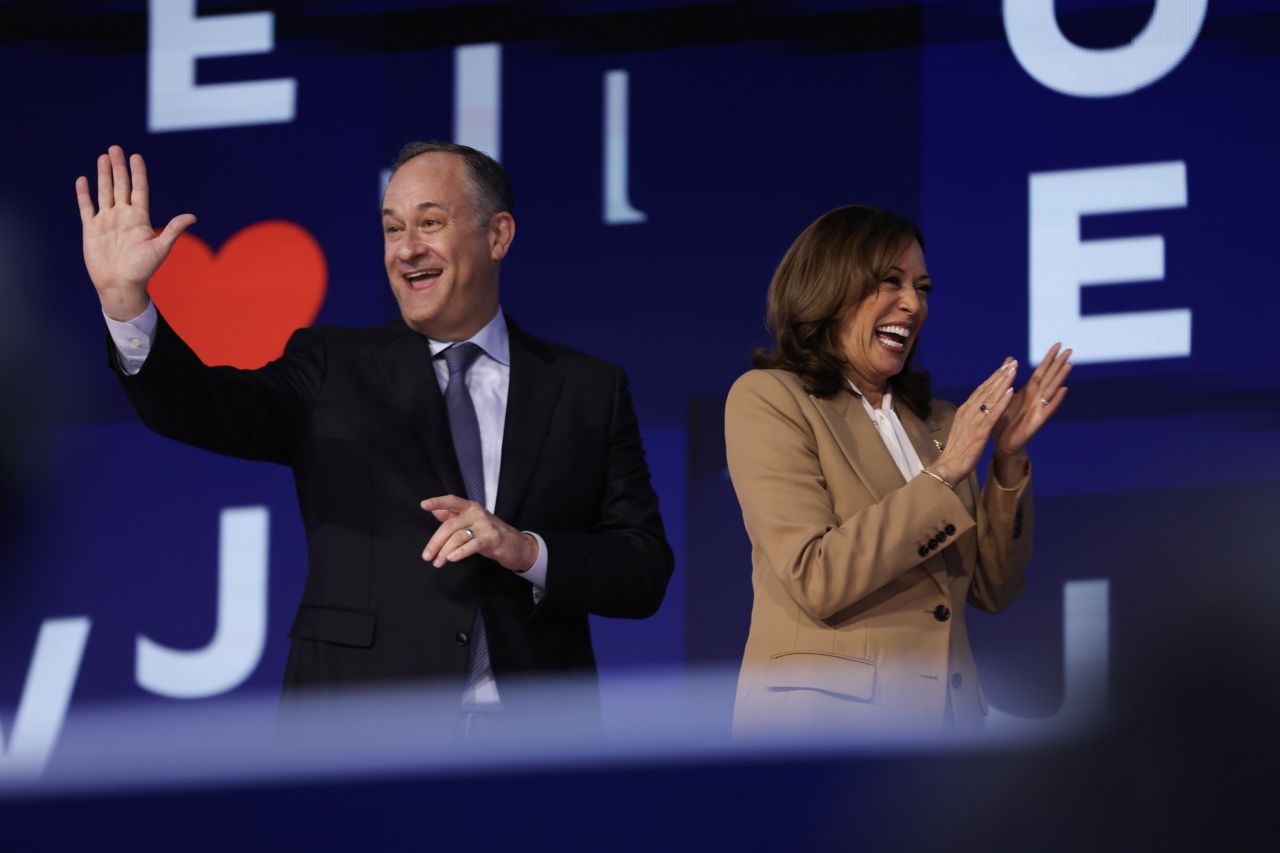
352	336
560	356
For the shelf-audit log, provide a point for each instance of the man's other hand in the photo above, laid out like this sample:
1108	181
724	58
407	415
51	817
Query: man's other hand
468	528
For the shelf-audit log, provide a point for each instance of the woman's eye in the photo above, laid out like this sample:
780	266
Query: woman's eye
925	288
892	281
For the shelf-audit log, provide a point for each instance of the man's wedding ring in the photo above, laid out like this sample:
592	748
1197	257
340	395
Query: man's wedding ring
471	534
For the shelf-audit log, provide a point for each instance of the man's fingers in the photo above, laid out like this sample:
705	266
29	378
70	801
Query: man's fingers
466	549
119	175
439	538
459	544
451	502
104	182
455	514
174	230
83	200
141	196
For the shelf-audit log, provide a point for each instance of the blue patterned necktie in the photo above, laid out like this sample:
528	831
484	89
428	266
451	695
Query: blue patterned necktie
465	428
462	419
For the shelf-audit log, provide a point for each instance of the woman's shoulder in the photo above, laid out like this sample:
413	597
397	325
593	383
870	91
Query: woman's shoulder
766	391
768	380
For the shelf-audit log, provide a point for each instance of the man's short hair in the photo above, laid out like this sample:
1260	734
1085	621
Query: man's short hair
488	187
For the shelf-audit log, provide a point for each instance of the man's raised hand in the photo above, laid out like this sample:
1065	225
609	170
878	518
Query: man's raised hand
121	249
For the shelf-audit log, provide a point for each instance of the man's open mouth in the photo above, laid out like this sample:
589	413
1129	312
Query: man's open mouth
421	276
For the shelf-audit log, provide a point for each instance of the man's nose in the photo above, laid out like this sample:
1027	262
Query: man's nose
412	246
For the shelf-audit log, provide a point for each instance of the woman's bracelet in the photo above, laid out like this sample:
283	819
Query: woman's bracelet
935	475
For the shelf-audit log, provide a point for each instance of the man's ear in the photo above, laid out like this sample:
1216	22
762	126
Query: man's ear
502	230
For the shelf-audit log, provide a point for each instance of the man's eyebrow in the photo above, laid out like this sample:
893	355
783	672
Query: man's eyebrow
422	205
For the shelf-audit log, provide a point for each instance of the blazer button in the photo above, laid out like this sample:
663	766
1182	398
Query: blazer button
956	680
942	534
933	544
942	613
924	550
461	638
950	529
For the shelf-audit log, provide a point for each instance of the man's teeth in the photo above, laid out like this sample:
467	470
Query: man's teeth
420	275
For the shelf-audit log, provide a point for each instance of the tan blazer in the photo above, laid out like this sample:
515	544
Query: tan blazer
861	578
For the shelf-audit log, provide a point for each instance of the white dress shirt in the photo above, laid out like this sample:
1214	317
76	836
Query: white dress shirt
892	433
488	380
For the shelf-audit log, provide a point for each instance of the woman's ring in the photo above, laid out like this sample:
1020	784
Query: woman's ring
1043	401
983	408
471	534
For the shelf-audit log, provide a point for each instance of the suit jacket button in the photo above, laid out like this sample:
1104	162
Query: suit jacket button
933	544
924	550
950	529
942	613
461	638
942	534
956	680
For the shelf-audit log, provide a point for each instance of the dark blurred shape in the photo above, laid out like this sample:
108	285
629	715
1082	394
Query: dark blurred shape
25	376
1183	762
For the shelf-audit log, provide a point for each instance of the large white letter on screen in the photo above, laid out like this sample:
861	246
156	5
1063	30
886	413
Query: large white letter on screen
45	696
177	39
1062	263
1054	61
241	632
1086	643
617	202
477	97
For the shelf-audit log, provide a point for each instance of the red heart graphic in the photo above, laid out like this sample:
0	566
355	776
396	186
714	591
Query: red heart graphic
239	307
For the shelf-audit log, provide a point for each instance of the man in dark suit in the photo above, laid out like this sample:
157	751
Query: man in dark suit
538	506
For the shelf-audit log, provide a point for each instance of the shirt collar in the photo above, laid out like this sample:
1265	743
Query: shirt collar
493	340
886	403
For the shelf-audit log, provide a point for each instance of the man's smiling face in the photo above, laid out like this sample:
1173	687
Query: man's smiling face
442	260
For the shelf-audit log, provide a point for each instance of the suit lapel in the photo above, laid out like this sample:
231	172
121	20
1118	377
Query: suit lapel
923	436
404	363
860	443
531	399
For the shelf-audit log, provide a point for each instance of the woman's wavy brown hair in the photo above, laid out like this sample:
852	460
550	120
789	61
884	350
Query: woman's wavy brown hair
836	263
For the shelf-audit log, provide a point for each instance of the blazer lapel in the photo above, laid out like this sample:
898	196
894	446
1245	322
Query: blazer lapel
405	365
531	399
923	436
861	444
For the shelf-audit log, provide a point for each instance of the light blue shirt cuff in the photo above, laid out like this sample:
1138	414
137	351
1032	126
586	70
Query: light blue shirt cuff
133	338
537	573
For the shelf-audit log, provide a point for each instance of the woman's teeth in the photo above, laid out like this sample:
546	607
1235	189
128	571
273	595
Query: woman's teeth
893	337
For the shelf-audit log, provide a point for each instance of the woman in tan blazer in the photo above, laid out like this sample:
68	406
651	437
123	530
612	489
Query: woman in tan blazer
869	532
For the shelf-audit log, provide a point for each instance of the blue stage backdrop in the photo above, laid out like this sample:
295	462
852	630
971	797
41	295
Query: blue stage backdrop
1100	173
